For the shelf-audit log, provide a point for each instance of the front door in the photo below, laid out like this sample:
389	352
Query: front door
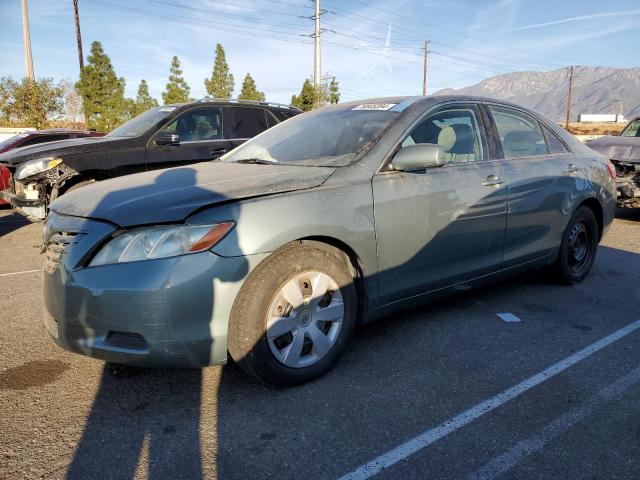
444	225
202	135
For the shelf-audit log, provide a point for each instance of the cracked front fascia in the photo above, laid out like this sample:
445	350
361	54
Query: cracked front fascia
48	183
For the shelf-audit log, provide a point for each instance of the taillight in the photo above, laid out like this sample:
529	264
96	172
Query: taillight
612	170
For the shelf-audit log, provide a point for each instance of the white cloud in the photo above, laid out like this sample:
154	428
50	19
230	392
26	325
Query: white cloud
579	18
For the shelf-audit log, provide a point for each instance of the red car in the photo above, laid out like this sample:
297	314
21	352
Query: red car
32	138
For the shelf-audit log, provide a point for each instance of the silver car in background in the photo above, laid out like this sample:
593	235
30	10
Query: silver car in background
333	218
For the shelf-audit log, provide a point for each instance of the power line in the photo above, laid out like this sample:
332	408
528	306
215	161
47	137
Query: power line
414	35
448	30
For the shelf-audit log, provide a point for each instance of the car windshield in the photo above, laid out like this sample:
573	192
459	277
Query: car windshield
143	122
325	137
633	129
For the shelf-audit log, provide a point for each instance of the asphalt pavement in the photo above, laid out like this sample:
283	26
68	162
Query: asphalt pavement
447	390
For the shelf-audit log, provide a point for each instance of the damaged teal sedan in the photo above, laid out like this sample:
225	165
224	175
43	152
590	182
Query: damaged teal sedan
273	254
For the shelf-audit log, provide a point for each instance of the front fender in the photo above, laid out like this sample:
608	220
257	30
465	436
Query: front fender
266	223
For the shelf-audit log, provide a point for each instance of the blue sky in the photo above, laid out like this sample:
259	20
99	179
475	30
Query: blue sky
372	47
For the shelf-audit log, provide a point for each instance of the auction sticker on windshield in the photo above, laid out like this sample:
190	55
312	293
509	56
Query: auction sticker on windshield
375	106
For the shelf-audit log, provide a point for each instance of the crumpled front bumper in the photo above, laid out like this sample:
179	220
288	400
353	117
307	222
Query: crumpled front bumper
170	312
28	201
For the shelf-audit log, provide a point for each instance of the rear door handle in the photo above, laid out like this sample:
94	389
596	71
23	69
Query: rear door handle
219	151
571	168
493	180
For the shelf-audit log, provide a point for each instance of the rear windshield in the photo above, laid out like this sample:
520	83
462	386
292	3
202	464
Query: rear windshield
326	137
142	123
7	142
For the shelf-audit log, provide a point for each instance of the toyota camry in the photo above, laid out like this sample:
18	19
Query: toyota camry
274	253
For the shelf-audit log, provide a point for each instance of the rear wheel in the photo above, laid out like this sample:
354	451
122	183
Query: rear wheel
578	248
293	316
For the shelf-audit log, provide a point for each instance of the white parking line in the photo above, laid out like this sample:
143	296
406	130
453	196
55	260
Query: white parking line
19	273
508	317
434	434
504	462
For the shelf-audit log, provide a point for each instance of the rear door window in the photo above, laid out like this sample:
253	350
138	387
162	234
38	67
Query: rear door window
553	142
271	119
520	133
248	122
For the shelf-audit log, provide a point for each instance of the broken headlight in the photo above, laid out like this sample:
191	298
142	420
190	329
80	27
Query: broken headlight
160	242
36	166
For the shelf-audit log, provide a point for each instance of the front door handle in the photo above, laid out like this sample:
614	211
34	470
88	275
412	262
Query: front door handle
571	168
493	180
219	151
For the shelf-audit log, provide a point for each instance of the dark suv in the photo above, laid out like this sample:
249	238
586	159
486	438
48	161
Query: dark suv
159	138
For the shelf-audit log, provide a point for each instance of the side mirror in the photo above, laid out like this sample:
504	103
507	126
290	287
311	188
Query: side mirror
165	137
418	157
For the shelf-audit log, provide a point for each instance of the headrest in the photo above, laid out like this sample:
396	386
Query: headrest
447	138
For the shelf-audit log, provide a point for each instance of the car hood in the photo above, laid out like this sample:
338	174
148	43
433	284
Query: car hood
624	149
172	195
70	146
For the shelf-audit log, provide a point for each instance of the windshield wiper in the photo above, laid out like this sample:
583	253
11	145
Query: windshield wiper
256	161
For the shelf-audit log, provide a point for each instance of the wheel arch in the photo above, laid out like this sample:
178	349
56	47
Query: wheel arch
594	205
353	261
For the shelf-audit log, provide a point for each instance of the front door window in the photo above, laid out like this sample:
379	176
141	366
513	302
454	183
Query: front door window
198	125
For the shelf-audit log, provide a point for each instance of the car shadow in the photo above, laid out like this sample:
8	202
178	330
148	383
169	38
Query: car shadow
11	222
147	419
220	423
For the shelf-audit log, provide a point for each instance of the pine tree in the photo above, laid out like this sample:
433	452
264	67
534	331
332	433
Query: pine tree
249	90
307	98
220	85
102	92
334	92
144	101
177	89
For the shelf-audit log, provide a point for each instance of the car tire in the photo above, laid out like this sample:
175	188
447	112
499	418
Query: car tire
578	248
278	338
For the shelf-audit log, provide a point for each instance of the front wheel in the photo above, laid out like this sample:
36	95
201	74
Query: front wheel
293	316
578	248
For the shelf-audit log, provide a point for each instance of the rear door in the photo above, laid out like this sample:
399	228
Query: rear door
202	134
543	177
441	226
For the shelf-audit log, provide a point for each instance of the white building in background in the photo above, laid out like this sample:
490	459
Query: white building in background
601	118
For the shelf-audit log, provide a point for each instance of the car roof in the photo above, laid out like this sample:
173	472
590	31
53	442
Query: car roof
432	99
235	101
55	131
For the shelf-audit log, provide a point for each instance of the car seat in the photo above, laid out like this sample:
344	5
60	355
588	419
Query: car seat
185	128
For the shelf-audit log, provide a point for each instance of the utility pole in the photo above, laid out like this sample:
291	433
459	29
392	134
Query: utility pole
26	42
78	36
317	72
426	67
566	125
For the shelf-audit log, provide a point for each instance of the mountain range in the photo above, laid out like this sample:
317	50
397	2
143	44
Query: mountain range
595	90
